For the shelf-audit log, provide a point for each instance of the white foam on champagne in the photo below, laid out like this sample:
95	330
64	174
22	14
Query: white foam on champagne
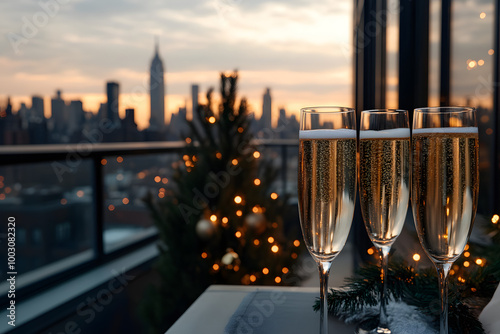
469	129
327	134
389	133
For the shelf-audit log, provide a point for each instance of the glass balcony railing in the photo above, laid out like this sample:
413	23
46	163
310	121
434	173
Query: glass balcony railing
76	208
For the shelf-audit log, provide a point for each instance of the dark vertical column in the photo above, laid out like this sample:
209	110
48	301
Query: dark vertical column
370	24
98	192
444	90
413	55
495	171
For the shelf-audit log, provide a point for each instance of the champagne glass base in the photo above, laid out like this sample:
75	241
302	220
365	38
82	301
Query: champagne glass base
370	326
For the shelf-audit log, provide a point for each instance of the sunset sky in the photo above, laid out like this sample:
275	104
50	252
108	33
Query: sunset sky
298	48
301	50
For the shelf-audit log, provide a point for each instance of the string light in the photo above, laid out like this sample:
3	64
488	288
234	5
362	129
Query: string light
213	218
277	279
284	270
204	255
211	119
239	213
274	195
215	266
64	201
274	225
125	201
491	52
234	162
275	249
256	182
119	159
256	242
104	162
495	219
265	271
256	154
479	262
466	247
416	257
480	62
218	155
466	264
240	129
482	15
238	234
164	180
270	240
157	179
238	199
296	243
188	140
294	256
111	207
466	254
253	278
141	175
224	220
370	251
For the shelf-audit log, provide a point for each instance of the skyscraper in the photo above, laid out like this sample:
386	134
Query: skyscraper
58	107
113	94
266	118
157	92
194	99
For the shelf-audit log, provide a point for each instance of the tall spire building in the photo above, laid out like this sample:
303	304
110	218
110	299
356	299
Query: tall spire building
157	92
266	118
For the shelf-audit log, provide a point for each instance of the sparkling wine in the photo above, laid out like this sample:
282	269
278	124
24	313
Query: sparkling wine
445	185
384	182
327	189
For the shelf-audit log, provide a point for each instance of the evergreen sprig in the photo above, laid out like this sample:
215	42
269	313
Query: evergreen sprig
418	288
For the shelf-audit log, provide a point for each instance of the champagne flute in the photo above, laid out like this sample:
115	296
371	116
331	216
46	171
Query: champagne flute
326	186
445	186
384	186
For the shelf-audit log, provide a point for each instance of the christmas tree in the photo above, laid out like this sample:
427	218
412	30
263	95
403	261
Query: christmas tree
220	221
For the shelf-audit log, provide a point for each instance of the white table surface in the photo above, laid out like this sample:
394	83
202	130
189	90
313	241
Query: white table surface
210	313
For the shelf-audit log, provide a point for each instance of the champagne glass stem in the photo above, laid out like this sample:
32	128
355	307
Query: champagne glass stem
384	258
324	271
443	270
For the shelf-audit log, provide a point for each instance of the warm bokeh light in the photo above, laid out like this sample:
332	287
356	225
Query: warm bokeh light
215	267
234	162
64	201
80	193
265	271
466	247
238	234
213	218
274	225
111	207
491	52
256	242
495	219
188	140
294	256
2	197
218	155
480	62
239	213
238	199
204	255
104	162
119	159
224	220
240	129
164	180
275	249
253	278
274	195
157	179
479	262
8	190
277	279
270	240
141	175
482	15
416	257
256	182
466	264
211	119
296	243
466	254
125	201
256	154
370	251
284	270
